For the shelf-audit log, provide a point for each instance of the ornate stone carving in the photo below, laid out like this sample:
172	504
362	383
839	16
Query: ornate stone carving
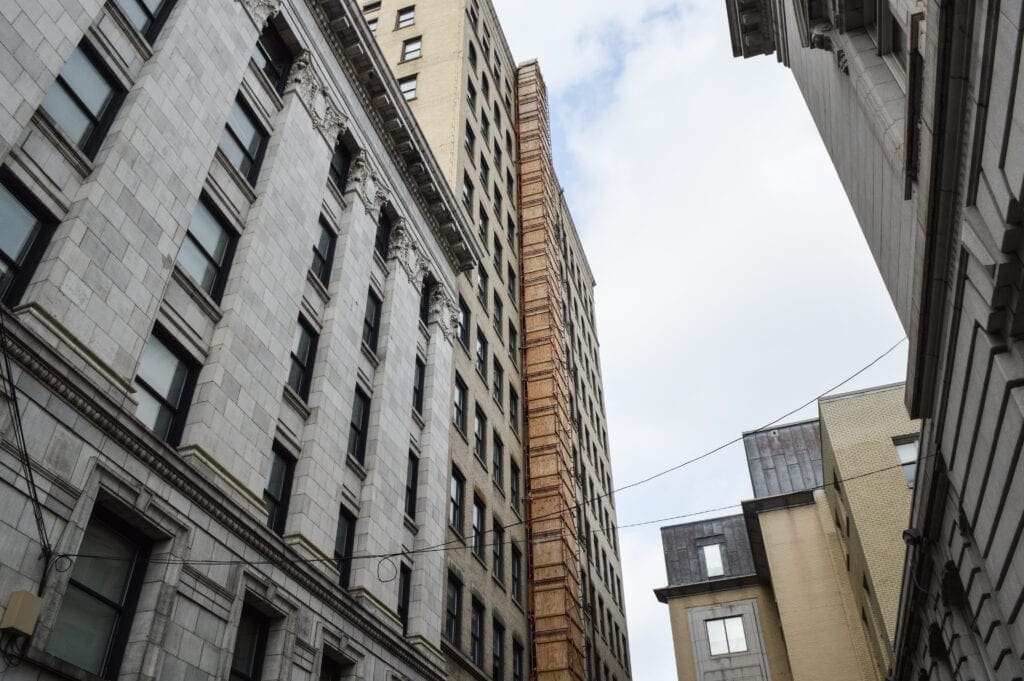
303	79
444	312
359	172
332	124
821	36
841	62
261	10
403	248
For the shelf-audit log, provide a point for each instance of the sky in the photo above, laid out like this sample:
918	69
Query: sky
733	282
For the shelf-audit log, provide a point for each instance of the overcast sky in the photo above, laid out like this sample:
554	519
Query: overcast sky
733	282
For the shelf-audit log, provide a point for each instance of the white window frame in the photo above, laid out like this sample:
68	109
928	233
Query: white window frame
732	635
713	563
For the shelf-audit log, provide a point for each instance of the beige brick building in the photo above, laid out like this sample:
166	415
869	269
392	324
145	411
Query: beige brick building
525	451
815	561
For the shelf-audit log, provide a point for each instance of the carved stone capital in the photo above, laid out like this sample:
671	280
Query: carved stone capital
444	312
332	124
261	10
402	248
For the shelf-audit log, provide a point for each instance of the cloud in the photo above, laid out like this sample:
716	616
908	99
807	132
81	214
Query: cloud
733	280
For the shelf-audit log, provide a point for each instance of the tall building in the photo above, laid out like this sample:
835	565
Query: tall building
529	407
229	277
814	561
456	71
919	108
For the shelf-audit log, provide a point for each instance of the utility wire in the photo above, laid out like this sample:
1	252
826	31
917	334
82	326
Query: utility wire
388	556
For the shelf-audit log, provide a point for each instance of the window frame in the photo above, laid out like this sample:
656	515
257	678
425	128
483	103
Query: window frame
305	367
156	21
216	291
358	434
412	476
453	610
457	501
476	632
277	518
727	636
117	640
90	146
259	658
406	51
281	81
409	93
461	404
252	176
343	558
371	327
43	230
404	591
419	385
409	21
323	263
179	413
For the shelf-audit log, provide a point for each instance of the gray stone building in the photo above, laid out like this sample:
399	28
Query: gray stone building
919	106
229	283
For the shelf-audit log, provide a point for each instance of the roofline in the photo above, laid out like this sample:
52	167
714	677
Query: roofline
791	424
665	593
864	391
699	522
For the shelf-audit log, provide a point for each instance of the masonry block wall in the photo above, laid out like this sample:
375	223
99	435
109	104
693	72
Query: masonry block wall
111	269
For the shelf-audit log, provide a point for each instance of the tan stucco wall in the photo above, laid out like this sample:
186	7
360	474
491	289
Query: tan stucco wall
771	630
816	608
857	438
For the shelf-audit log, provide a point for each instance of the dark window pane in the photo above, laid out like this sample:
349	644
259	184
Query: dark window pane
340	164
89	85
161	380
250	646
344	543
273	57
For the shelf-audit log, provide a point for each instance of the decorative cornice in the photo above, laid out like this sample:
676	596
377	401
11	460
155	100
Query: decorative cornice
26	350
364	67
261	10
404	249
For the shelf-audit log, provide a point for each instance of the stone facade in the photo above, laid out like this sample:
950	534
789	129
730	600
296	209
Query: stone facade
918	105
112	269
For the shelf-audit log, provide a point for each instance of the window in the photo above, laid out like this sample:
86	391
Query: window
419	379
478	527
906	451
482	224
412	474
726	635
469	141
460	404
517	575
467	192
91	630
371	320
479	435
146	15
84	100
406	17
476	634
498	459
372	23
244	141
498	549
412	48
426	293
382	238
497	650
323	252
513	408
359	426
485	170
206	251
481	353
513	284
713	560
344	543
453	611
498	384
371	7
517	661
498	315
273	57
279	488
471	94
303	355
464	322
513	482
407	86
250	646
513	343
341	163
25	235
404	587
456	506
165	382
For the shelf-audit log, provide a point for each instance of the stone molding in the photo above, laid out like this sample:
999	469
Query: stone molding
444	312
